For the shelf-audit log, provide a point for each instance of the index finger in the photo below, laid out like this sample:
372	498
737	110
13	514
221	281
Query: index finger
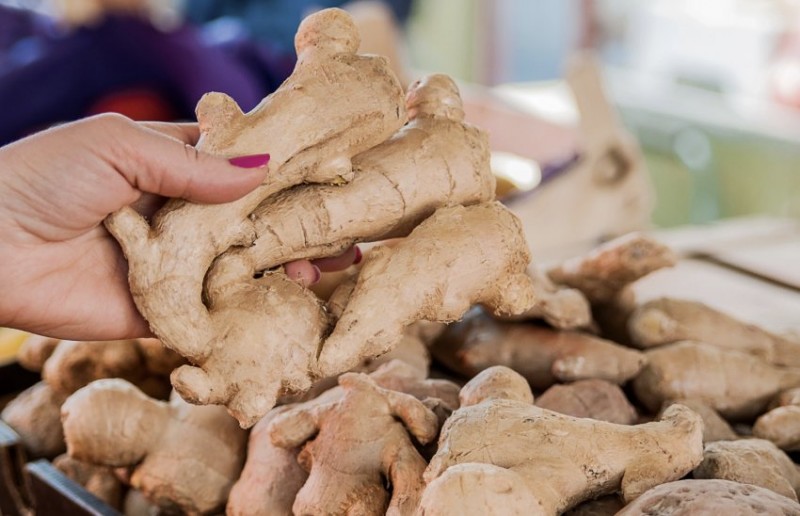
187	133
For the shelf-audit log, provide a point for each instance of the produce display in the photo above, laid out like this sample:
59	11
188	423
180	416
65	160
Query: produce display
443	374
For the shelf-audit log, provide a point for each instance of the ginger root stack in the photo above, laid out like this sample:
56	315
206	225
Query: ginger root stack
542	355
183	456
540	462
781	424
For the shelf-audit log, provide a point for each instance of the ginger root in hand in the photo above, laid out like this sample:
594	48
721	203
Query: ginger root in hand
485	255
184	456
551	461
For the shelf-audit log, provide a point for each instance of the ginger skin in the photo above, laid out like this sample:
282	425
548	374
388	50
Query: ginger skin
560	307
552	461
35	415
435	160
714	427
593	399
486	257
184	457
737	385
663	321
169	259
542	355
35	351
780	426
98	480
350	462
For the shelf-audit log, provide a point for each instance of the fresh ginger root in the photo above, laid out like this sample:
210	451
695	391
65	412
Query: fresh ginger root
362	444
693	497
184	457
594	399
663	321
542	355
608	269
737	385
35	351
435	160
560	307
35	415
310	138
98	480
715	428
550	462
781	426
751	461
486	256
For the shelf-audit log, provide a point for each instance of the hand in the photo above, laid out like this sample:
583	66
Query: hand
63	274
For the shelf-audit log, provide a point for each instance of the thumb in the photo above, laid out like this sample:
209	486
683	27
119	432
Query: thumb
153	162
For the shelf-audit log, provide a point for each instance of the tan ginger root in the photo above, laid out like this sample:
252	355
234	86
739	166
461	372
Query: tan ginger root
361	445
435	160
663	321
606	270
35	414
715	428
310	137
693	497
594	399
550	462
485	255
737	385
751	461
560	307
35	351
185	457
98	480
542	355
780	426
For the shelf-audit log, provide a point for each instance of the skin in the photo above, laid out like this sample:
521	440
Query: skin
67	273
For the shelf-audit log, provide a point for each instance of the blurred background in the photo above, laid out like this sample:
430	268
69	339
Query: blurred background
710	90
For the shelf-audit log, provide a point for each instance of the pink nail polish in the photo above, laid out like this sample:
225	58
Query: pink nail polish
358	257
252	161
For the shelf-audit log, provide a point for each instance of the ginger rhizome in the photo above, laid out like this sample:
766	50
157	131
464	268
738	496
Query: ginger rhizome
101	481
690	497
486	256
551	462
542	355
35	414
663	321
594	399
310	138
183	456
737	385
561	307
355	446
781	426
715	428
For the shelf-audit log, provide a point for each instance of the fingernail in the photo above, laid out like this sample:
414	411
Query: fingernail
252	161
317	275
358	257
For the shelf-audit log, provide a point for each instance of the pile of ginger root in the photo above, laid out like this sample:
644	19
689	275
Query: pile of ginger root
446	373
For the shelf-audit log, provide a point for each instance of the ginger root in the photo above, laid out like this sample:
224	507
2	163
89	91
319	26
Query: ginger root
715	428
751	461
737	385
310	138
550	461
608	269
486	257
692	497
560	307
435	160
780	426
542	355
594	399
35	351
361	445
184	456
35	415
98	480
663	321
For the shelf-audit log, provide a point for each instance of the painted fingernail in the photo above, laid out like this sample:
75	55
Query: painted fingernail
252	161
358	257
317	275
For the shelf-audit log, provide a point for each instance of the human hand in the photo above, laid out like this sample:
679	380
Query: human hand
64	275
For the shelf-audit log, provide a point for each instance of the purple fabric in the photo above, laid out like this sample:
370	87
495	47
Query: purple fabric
62	75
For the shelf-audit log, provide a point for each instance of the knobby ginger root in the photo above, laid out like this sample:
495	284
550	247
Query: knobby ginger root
781	426
552	461
560	307
361	445
435	160
714	427
542	355
737	385
184	456
98	480
594	399
693	497
257	357
605	271
310	138
35	415
35	351
751	461
485	254
663	321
